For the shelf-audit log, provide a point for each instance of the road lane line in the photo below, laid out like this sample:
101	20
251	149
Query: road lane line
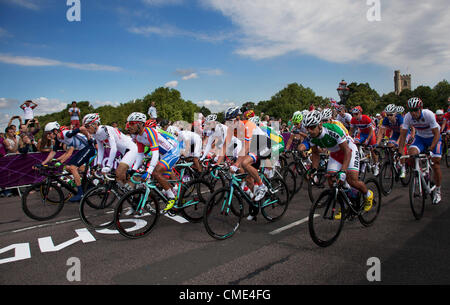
299	222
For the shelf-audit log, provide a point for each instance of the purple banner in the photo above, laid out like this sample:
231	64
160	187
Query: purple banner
16	170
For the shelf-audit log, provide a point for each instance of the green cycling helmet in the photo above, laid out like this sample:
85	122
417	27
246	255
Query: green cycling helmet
297	117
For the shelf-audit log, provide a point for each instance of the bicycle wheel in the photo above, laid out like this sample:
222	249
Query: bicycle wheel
193	202
386	178
316	188
290	180
216	183
367	218
276	201
324	224
222	214
132	223
43	200
416	196
97	207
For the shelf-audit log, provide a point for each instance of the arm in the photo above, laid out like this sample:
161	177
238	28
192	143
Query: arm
63	158
401	140
381	133
347	155
437	136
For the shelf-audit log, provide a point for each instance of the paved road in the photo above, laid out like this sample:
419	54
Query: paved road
280	253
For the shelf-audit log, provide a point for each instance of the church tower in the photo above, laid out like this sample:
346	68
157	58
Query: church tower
401	82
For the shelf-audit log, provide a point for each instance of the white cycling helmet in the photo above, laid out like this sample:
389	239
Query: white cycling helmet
255	119
312	119
91	118
137	117
391	108
414	102
52	126
400	109
211	117
232	112
327	114
439	112
173	130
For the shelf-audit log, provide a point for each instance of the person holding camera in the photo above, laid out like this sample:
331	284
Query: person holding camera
28	109
74	112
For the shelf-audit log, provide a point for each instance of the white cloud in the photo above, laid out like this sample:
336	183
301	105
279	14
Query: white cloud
48	105
23	3
162	2
215	105
171	84
411	33
190	76
46	62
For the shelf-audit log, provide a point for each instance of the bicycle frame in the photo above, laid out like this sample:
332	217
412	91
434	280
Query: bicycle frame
422	172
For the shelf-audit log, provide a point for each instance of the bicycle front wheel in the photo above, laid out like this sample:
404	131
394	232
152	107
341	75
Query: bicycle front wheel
134	223
193	202
416	196
43	200
367	218
222	214
97	207
276	201
326	219
386	178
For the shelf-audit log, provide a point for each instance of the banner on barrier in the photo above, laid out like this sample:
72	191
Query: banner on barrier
16	170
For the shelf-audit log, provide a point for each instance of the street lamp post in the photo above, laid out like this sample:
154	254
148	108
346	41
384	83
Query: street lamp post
343	91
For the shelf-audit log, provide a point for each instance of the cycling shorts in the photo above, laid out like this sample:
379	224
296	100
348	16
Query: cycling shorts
336	159
170	159
82	156
421	143
363	137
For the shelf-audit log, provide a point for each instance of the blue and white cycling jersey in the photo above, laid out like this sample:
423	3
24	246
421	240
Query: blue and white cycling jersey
72	139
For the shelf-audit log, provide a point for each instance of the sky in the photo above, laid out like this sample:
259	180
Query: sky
217	53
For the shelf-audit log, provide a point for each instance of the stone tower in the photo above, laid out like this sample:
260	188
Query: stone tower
401	82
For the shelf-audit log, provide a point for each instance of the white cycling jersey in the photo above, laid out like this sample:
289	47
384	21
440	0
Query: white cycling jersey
344	119
117	141
77	141
423	125
187	139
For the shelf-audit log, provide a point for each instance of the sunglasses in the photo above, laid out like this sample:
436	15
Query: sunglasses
391	114
414	109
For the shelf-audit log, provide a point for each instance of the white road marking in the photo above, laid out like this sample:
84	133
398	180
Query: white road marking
299	222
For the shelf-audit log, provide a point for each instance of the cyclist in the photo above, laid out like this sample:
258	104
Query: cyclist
191	142
299	135
225	143
327	117
165	152
256	147
73	141
441	120
344	156
117	142
344	117
427	137
366	136
392	122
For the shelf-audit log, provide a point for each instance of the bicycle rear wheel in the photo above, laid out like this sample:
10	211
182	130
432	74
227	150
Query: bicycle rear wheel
367	218
324	223
43	200
276	201
132	223
193	202
416	196
386	178
290	180
97	207
222	214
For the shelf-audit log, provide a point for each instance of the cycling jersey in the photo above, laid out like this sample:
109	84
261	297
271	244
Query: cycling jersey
191	142
277	139
330	138
159	143
364	124
73	139
441	121
107	135
344	119
423	125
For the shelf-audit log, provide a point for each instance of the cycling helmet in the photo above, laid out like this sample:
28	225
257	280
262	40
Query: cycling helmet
312	119
90	118
232	113
439	112
357	109
52	126
305	112
150	123
173	130
137	117
211	117
249	114
414	102
391	108
255	120
327	114
297	117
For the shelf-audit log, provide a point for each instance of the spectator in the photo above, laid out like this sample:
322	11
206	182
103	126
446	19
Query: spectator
75	114
26	145
14	126
152	111
11	142
45	144
28	110
31	128
2	145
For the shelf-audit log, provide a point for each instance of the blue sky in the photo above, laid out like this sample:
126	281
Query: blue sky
215	52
